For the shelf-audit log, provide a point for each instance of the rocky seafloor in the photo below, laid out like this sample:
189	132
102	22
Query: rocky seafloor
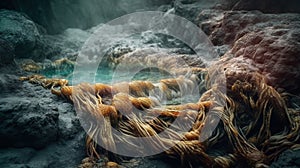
38	129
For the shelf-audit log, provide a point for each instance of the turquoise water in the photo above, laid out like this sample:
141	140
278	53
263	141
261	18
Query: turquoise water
108	75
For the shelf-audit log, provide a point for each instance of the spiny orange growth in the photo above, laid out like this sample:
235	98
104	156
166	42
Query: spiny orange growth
51	83
205	104
192	135
141	103
171	83
140	88
112	165
32	78
87	87
164	89
196	70
98	88
46	83
180	84
62	82
122	87
191	106
180	110
186	86
103	90
122	103
125	103
108	111
247	89
62	61
56	92
166	113
91	148
66	90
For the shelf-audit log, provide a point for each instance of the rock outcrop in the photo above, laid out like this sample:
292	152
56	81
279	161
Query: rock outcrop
7	52
37	129
226	27
21	34
66	44
266	6
266	43
275	52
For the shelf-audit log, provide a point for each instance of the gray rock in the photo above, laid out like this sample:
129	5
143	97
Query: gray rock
66	44
266	6
63	154
221	50
189	9
30	116
8	83
7	52
37	129
288	159
20	32
226	27
27	122
16	156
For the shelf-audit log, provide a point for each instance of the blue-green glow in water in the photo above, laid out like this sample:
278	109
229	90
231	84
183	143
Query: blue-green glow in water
107	75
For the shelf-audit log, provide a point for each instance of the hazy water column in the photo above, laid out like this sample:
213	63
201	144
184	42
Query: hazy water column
57	15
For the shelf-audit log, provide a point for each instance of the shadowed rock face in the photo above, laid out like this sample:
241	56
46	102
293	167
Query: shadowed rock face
266	43
21	32
7	52
226	27
266	6
37	129
275	52
189	9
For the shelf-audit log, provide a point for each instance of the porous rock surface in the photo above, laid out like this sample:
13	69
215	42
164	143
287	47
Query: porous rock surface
265	43
20	32
226	27
266	6
7	52
37	128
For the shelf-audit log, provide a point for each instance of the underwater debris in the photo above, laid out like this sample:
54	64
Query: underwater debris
30	66
63	66
256	125
47	83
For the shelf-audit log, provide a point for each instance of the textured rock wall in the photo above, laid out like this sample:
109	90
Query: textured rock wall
37	129
21	34
266	6
267	43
